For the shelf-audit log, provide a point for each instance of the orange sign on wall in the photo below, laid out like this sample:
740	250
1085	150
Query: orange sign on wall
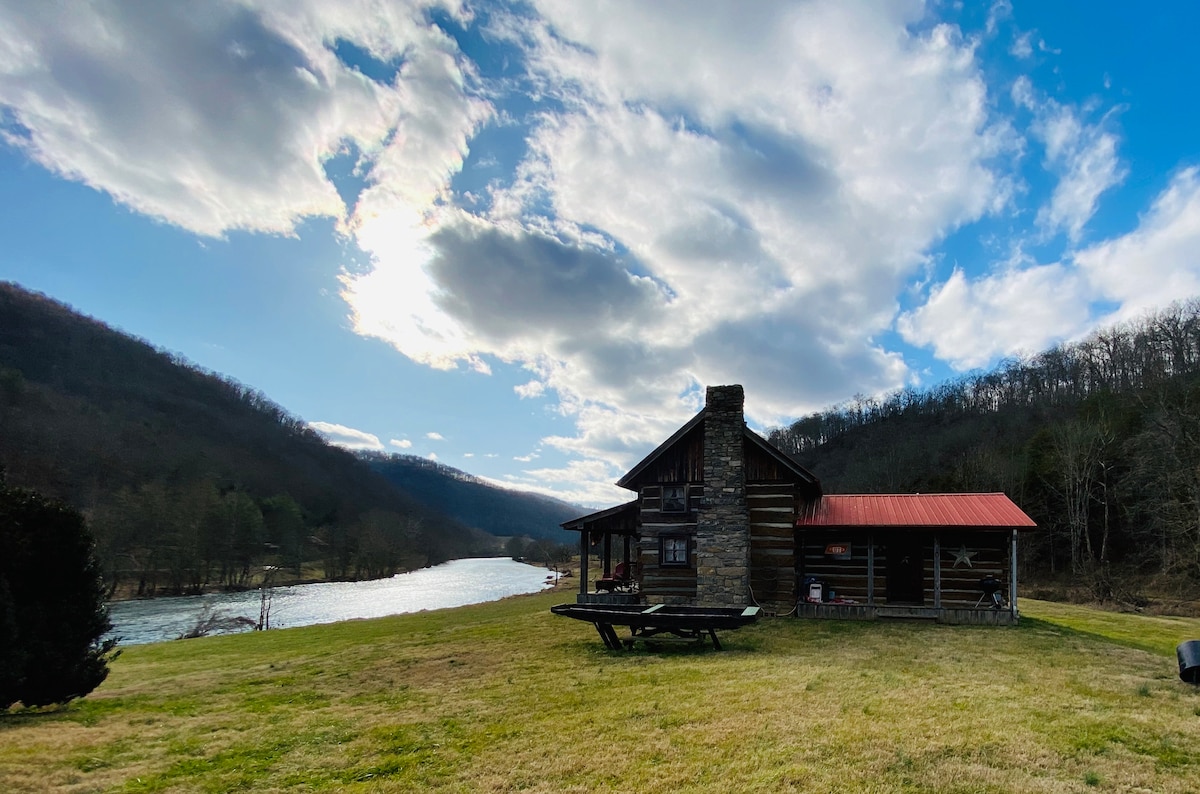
838	551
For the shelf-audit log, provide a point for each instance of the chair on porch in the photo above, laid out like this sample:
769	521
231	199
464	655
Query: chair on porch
620	578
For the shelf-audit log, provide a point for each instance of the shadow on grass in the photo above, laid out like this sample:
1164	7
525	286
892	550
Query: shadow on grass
1042	624
666	647
20	717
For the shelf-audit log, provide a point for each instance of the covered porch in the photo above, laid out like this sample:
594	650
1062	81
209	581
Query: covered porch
950	558
608	538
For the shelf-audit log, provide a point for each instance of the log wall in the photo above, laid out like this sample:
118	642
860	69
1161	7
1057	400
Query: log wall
772	508
987	550
960	585
847	578
667	585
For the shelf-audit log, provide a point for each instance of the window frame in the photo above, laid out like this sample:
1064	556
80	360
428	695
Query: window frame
672	539
682	500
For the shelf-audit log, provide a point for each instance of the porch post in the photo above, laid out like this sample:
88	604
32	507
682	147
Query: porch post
583	561
870	569
625	555
937	572
1012	570
607	554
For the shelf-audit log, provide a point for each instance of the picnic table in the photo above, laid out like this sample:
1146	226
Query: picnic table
658	623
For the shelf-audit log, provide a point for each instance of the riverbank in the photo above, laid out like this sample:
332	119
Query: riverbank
451	584
505	696
279	577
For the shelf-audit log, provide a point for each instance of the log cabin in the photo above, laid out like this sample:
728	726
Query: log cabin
723	518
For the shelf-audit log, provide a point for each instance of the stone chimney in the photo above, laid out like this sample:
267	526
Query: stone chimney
723	523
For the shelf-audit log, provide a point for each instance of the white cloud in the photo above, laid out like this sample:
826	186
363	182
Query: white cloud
1018	310
530	390
1025	307
587	483
1000	10
1159	261
1083	156
707	192
218	116
435	436
1021	46
743	194
730	194
347	437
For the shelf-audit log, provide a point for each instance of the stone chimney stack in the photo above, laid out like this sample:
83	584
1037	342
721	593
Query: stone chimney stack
723	523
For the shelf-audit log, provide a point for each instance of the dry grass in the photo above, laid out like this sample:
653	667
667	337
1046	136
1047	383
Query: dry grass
507	697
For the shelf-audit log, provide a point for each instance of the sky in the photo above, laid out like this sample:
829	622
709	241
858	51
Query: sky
522	238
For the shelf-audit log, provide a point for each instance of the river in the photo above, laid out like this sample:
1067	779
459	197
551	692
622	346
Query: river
451	584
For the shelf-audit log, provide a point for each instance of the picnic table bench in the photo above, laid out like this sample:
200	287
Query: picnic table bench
659	623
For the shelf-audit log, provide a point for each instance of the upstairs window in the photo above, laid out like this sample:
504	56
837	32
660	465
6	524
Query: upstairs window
673	551
674	499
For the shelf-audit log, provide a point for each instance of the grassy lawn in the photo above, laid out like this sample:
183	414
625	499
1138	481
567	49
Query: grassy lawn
507	697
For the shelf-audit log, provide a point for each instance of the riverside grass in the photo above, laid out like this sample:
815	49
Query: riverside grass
507	697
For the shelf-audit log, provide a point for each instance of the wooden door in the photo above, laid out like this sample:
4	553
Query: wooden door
905	571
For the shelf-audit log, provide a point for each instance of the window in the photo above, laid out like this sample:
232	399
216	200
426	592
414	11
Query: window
674	499
673	551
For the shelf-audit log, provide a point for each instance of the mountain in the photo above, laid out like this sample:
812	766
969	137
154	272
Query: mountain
191	480
1098	441
473	502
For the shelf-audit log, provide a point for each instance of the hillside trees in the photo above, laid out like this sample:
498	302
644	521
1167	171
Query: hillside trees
1077	458
1163	485
1099	441
190	480
283	523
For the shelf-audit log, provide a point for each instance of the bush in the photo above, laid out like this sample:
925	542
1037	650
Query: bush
52	608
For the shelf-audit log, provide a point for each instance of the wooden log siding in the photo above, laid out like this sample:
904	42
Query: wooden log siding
684	462
762	468
960	586
772	508
847	578
667	585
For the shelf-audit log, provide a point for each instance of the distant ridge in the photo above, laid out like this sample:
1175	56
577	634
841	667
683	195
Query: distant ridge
191	480
475	502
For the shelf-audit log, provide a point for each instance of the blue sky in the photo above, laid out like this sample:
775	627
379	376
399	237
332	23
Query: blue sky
523	237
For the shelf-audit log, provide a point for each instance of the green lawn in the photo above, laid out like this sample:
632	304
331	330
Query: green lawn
507	697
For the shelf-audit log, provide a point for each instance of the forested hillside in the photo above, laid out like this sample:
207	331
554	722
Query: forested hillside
1099	441
190	479
474	502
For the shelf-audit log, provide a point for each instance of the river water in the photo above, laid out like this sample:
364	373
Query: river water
451	584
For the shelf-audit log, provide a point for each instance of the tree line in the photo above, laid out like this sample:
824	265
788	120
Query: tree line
192	480
1098	440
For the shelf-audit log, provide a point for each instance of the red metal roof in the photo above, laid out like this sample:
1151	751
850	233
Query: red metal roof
994	510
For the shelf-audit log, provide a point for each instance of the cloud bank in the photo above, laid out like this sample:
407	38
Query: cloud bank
662	196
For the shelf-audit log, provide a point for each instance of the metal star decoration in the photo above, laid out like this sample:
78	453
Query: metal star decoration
962	555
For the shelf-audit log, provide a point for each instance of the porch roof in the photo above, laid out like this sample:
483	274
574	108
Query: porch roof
619	520
958	510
